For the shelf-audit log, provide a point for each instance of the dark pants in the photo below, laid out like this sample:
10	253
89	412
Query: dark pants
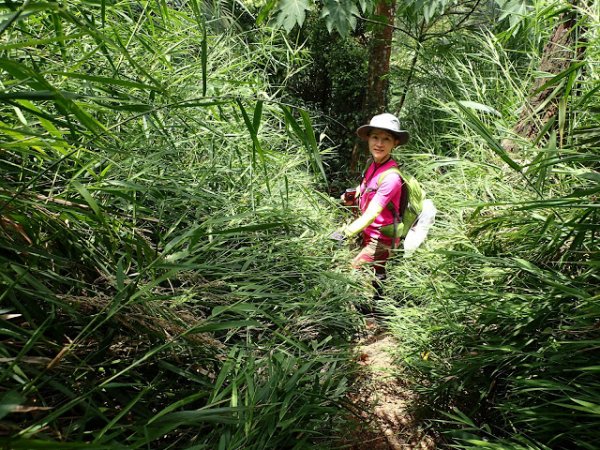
374	253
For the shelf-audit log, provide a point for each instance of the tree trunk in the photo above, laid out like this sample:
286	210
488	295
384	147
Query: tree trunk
542	107
379	58
379	69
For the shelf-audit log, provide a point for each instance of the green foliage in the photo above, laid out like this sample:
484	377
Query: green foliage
334	83
427	10
291	13
499	310
165	282
514	11
340	16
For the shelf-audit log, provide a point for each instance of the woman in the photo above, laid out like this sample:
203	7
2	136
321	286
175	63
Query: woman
378	195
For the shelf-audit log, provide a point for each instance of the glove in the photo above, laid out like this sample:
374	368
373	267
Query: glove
338	236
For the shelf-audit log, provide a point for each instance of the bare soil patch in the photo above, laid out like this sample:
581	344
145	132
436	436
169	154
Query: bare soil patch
383	401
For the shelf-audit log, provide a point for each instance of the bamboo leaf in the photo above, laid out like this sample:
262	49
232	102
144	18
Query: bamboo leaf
311	143
479	107
256	147
256	118
176	405
88	198
40	42
35	444
124	411
307	137
218	326
204	59
248	228
574	67
478	127
108	80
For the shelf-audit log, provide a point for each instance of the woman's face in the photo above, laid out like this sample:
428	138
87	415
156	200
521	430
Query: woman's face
381	143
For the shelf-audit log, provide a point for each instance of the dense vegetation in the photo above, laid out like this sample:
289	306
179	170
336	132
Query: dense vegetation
166	278
500	320
164	281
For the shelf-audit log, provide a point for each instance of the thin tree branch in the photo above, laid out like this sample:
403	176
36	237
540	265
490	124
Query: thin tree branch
394	27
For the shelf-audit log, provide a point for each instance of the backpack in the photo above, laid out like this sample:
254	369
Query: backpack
412	207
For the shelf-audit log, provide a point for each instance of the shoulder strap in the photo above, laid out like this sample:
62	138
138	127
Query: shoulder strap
387	172
397	213
403	196
411	199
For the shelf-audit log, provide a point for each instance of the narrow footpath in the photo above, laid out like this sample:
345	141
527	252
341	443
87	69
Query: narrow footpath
383	401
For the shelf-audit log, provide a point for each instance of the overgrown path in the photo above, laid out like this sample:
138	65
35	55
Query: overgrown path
383	400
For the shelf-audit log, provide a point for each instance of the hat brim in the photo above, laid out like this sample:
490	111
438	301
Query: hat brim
363	133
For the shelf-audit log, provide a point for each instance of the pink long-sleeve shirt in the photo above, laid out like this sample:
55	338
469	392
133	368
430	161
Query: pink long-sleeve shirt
389	190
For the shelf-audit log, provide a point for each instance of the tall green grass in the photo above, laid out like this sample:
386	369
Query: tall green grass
165	279
497	315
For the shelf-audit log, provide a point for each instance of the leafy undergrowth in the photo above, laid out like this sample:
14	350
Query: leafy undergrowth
498	312
165	279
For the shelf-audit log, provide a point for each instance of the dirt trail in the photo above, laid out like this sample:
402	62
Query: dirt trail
384	400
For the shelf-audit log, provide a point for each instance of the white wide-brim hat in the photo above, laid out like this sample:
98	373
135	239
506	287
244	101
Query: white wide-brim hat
387	122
